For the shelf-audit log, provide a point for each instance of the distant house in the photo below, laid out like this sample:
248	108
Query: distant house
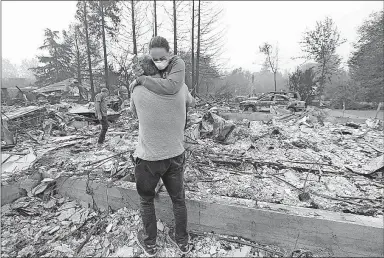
8	87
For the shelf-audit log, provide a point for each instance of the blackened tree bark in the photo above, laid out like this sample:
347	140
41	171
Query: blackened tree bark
78	62
133	28
198	48
193	46
154	7
104	44
88	51
174	28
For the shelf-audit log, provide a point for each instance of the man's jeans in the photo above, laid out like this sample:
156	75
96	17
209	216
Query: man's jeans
147	175
104	128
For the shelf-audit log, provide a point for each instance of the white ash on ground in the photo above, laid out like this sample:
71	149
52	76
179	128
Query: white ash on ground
266	161
59	227
275	161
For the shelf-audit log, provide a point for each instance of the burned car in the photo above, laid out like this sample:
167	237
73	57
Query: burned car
264	102
290	94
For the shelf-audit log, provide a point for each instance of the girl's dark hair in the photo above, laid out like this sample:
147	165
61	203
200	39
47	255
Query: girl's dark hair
159	42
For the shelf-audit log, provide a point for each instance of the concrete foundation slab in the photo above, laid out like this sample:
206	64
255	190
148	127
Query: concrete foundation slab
327	233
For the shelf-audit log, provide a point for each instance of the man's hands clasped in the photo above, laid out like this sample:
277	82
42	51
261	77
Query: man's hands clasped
137	72
132	85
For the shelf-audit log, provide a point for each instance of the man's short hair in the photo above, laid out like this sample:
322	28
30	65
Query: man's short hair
159	42
146	63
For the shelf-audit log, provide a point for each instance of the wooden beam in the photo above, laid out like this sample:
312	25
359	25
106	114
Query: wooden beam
324	233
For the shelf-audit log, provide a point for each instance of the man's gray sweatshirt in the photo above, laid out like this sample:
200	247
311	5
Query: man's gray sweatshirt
161	122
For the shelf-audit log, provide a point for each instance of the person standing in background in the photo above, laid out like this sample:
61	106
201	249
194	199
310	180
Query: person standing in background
101	112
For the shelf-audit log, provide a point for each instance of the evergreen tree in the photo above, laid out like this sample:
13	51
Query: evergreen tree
367	62
55	65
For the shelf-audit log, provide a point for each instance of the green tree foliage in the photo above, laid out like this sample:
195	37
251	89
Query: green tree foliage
347	92
303	83
55	66
72	39
341	77
367	61
320	45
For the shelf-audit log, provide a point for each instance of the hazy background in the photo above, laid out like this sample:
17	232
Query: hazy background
249	23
